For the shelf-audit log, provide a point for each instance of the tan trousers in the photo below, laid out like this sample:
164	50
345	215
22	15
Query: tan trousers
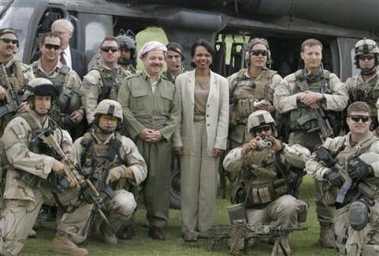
357	243
75	225
325	213
18	217
199	177
283	212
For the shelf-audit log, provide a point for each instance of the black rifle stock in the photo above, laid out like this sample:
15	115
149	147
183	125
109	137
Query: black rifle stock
14	101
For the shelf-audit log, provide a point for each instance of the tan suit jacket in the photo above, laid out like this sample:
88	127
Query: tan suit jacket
217	111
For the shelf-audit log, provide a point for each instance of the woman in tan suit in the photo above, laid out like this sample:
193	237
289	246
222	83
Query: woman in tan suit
201	139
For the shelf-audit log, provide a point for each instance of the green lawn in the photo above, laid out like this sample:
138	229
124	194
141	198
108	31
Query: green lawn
304	243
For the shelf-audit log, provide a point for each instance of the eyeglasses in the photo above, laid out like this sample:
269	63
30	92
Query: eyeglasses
356	119
259	52
8	40
366	57
107	49
260	129
52	46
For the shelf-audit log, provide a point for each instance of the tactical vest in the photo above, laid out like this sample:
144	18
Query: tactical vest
97	159
244	93
369	93
262	179
344	157
37	146
304	118
111	81
59	81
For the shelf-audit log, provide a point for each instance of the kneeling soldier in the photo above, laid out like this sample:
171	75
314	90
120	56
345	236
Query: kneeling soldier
349	168
32	167
265	181
107	159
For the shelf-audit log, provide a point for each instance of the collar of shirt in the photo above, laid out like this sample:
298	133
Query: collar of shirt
348	142
100	141
57	67
67	56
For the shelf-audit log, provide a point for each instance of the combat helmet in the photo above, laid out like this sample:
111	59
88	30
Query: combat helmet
109	107
40	87
126	40
366	46
251	44
259	118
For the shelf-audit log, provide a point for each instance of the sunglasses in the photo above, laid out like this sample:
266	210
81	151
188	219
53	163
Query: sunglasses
8	41
52	46
356	119
260	129
366	57
107	49
259	52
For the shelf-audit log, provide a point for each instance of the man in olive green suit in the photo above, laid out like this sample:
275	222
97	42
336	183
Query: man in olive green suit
151	109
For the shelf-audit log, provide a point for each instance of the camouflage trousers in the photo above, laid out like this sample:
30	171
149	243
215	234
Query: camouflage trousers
285	211
18	217
325	213
357	243
76	225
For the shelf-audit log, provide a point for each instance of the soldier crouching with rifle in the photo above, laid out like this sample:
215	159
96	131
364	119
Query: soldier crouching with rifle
106	158
349	167
266	182
31	167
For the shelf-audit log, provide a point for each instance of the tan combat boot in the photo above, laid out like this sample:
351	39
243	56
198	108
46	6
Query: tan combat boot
327	237
65	246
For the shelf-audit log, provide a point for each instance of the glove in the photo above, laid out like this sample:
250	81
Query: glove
119	172
359	170
334	178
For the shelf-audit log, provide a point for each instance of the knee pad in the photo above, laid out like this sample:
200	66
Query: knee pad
123	203
359	213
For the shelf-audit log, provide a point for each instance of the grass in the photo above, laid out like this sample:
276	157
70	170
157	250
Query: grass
304	243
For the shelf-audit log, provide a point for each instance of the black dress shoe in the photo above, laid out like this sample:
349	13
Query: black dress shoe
157	233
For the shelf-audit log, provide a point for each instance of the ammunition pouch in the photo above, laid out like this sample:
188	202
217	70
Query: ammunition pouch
262	194
304	120
238	193
244	107
359	215
69	101
30	179
57	183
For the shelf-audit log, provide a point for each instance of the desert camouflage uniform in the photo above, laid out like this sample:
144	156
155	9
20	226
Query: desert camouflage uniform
101	83
279	208
302	120
26	185
68	83
93	156
350	241
367	91
19	74
244	91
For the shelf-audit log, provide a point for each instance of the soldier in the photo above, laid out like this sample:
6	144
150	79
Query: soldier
151	108
313	98
251	89
265	179
107	158
174	59
365	86
127	58
351	178
104	80
14	75
66	110
32	167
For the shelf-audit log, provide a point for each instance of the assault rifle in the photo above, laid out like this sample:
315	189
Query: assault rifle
240	232
326	129
72	173
14	101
